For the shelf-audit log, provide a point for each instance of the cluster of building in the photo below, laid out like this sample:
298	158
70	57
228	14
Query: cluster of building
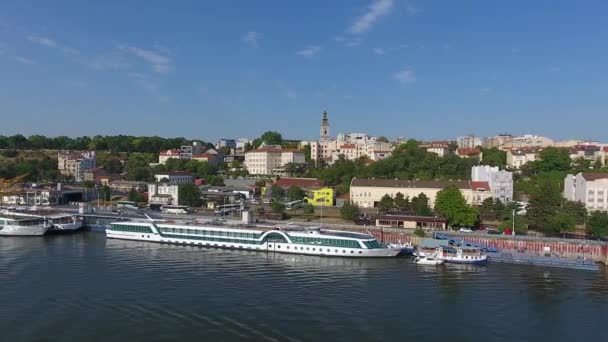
74	164
591	189
196	151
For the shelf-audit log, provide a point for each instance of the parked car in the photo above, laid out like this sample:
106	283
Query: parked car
493	231
465	230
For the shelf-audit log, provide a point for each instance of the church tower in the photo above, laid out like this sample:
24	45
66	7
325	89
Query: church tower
324	127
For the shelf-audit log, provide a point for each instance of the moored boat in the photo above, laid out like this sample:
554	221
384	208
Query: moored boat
65	223
13	225
462	255
429	259
294	240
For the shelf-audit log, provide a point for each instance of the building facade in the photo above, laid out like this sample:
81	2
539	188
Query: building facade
272	160
468	141
160	194
516	158
366	193
440	148
501	182
74	164
591	189
177	177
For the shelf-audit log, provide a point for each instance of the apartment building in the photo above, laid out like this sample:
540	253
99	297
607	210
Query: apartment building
272	160
516	158
441	148
74	164
500	182
160	194
366	193
591	189
177	177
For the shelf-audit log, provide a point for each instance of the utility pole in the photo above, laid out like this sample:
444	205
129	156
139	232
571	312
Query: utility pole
513	222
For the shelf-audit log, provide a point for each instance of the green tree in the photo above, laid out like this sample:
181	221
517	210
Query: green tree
494	157
386	203
402	203
135	196
349	211
276	192
575	209
597	224
295	193
451	204
270	138
521	226
104	193
190	195
277	207
561	222
88	184
419	232
486	209
420	205
382	139
309	209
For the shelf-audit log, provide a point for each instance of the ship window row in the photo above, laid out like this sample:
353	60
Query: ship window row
209	238
325	242
210	233
372	244
131	228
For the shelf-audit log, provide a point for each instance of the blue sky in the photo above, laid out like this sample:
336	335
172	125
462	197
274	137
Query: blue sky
211	69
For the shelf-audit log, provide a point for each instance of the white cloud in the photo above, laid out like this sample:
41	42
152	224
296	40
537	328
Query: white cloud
252	38
159	63
111	61
24	60
143	81
377	9
309	51
407	75
379	51
43	41
411	9
287	91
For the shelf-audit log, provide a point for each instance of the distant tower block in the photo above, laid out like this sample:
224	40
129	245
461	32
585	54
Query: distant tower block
325	127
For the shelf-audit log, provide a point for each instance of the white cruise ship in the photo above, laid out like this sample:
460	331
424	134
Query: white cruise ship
308	241
22	225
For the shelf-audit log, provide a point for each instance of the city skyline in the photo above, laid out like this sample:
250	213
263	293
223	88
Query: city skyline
420	69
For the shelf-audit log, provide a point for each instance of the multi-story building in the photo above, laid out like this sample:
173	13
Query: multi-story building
228	143
516	158
160	194
184	152
367	193
441	148
468	141
528	141
498	141
593	153
350	146
591	189
74	164
177	177
501	182
126	186
272	160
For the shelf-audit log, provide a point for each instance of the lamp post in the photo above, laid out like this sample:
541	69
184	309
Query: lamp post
513	222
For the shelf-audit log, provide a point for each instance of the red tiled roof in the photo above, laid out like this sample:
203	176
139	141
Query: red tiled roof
480	186
301	182
348	146
606	149
176	173
468	151
173	152
594	176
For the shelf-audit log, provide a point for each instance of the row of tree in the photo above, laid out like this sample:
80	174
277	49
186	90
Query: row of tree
117	143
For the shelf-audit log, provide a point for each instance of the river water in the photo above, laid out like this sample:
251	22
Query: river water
83	287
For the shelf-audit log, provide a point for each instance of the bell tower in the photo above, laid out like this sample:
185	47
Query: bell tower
324	127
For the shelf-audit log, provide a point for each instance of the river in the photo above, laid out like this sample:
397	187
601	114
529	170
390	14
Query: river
83	287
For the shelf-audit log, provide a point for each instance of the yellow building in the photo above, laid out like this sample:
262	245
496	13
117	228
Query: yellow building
321	197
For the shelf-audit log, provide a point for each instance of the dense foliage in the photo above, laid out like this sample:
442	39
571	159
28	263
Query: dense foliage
118	143
190	195
454	208
597	224
349	211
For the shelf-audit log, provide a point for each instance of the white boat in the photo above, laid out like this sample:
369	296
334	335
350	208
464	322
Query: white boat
428	260
13	225
462	255
307	241
65	223
406	248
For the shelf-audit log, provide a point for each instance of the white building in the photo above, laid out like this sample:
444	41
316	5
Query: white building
516	158
74	164
177	177
163	194
593	153
271	160
528	141
366	193
591	189
468	141
184	152
350	145
501	182
441	148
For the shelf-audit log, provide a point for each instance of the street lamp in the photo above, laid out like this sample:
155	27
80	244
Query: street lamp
513	221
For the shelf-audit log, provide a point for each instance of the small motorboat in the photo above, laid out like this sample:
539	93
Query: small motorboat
428	260
405	248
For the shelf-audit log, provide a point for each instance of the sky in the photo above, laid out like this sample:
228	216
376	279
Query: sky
228	69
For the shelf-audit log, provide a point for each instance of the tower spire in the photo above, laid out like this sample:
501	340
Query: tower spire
324	127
